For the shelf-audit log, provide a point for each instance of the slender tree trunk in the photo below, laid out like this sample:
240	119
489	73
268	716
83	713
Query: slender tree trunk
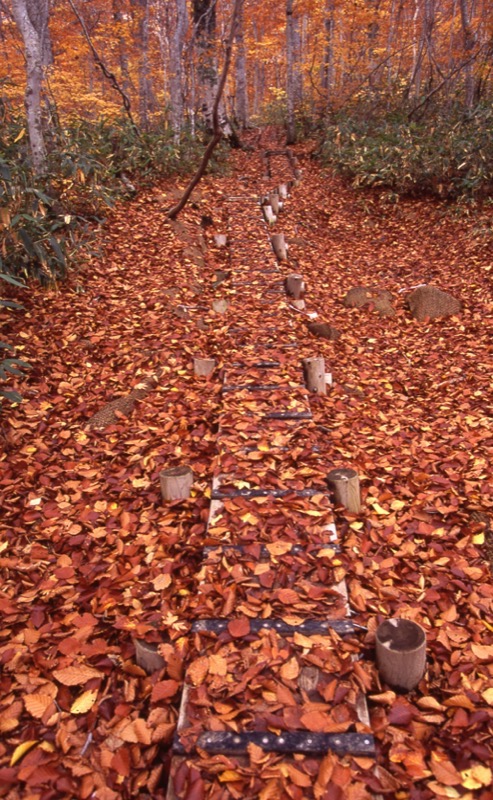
328	68
204	19
469	42
241	74
176	71
290	73
31	17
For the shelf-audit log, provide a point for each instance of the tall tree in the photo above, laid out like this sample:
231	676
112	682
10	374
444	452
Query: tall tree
293	75
32	18
175	66
241	73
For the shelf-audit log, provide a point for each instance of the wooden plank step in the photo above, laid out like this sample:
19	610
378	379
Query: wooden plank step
262	549
310	627
272	685
231	491
308	743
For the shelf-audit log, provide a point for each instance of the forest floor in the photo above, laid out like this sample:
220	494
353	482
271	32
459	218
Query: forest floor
90	558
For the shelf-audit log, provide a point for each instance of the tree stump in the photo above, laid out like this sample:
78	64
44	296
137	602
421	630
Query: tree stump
345	484
283	191
279	246
269	215
274	203
176	483
147	656
220	306
204	367
295	286
401	653
220	239
314	372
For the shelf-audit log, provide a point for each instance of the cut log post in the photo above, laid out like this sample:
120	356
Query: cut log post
401	653
295	286
314	372
204	367
283	191
269	215
345	484
274	203
220	306
279	246
176	483
220	239
147	656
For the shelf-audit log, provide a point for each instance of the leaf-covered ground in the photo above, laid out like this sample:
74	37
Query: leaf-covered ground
90	557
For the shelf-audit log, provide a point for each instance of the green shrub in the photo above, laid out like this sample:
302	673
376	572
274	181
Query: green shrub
447	155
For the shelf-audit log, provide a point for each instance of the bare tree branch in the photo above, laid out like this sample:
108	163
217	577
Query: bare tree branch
217	134
106	72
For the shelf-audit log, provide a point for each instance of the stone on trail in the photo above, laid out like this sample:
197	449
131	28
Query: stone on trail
428	302
324	331
373	296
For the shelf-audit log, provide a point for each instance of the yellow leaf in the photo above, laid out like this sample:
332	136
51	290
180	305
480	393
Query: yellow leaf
488	696
21	750
379	510
250	518
356	525
397	505
20	135
476	777
229	775
478	538
84	702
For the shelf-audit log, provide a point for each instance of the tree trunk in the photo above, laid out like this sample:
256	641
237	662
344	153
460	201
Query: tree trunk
469	41
176	71
217	129
290	73
241	75
328	67
31	17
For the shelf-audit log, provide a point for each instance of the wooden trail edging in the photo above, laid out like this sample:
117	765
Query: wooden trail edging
274	647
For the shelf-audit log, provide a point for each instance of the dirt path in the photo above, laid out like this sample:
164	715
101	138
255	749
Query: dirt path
90	558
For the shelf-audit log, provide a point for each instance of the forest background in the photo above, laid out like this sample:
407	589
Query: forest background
99	97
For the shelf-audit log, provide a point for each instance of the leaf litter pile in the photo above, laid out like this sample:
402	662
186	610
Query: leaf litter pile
92	559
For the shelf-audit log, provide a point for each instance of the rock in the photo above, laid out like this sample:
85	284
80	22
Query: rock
324	331
428	302
372	296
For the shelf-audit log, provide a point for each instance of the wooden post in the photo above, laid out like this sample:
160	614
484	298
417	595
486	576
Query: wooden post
220	239
269	215
204	367
279	246
220	306
314	372
295	286
176	483
147	656
345	484
283	191
401	653
274	202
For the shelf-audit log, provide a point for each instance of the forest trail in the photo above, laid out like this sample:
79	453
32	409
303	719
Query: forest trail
91	558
